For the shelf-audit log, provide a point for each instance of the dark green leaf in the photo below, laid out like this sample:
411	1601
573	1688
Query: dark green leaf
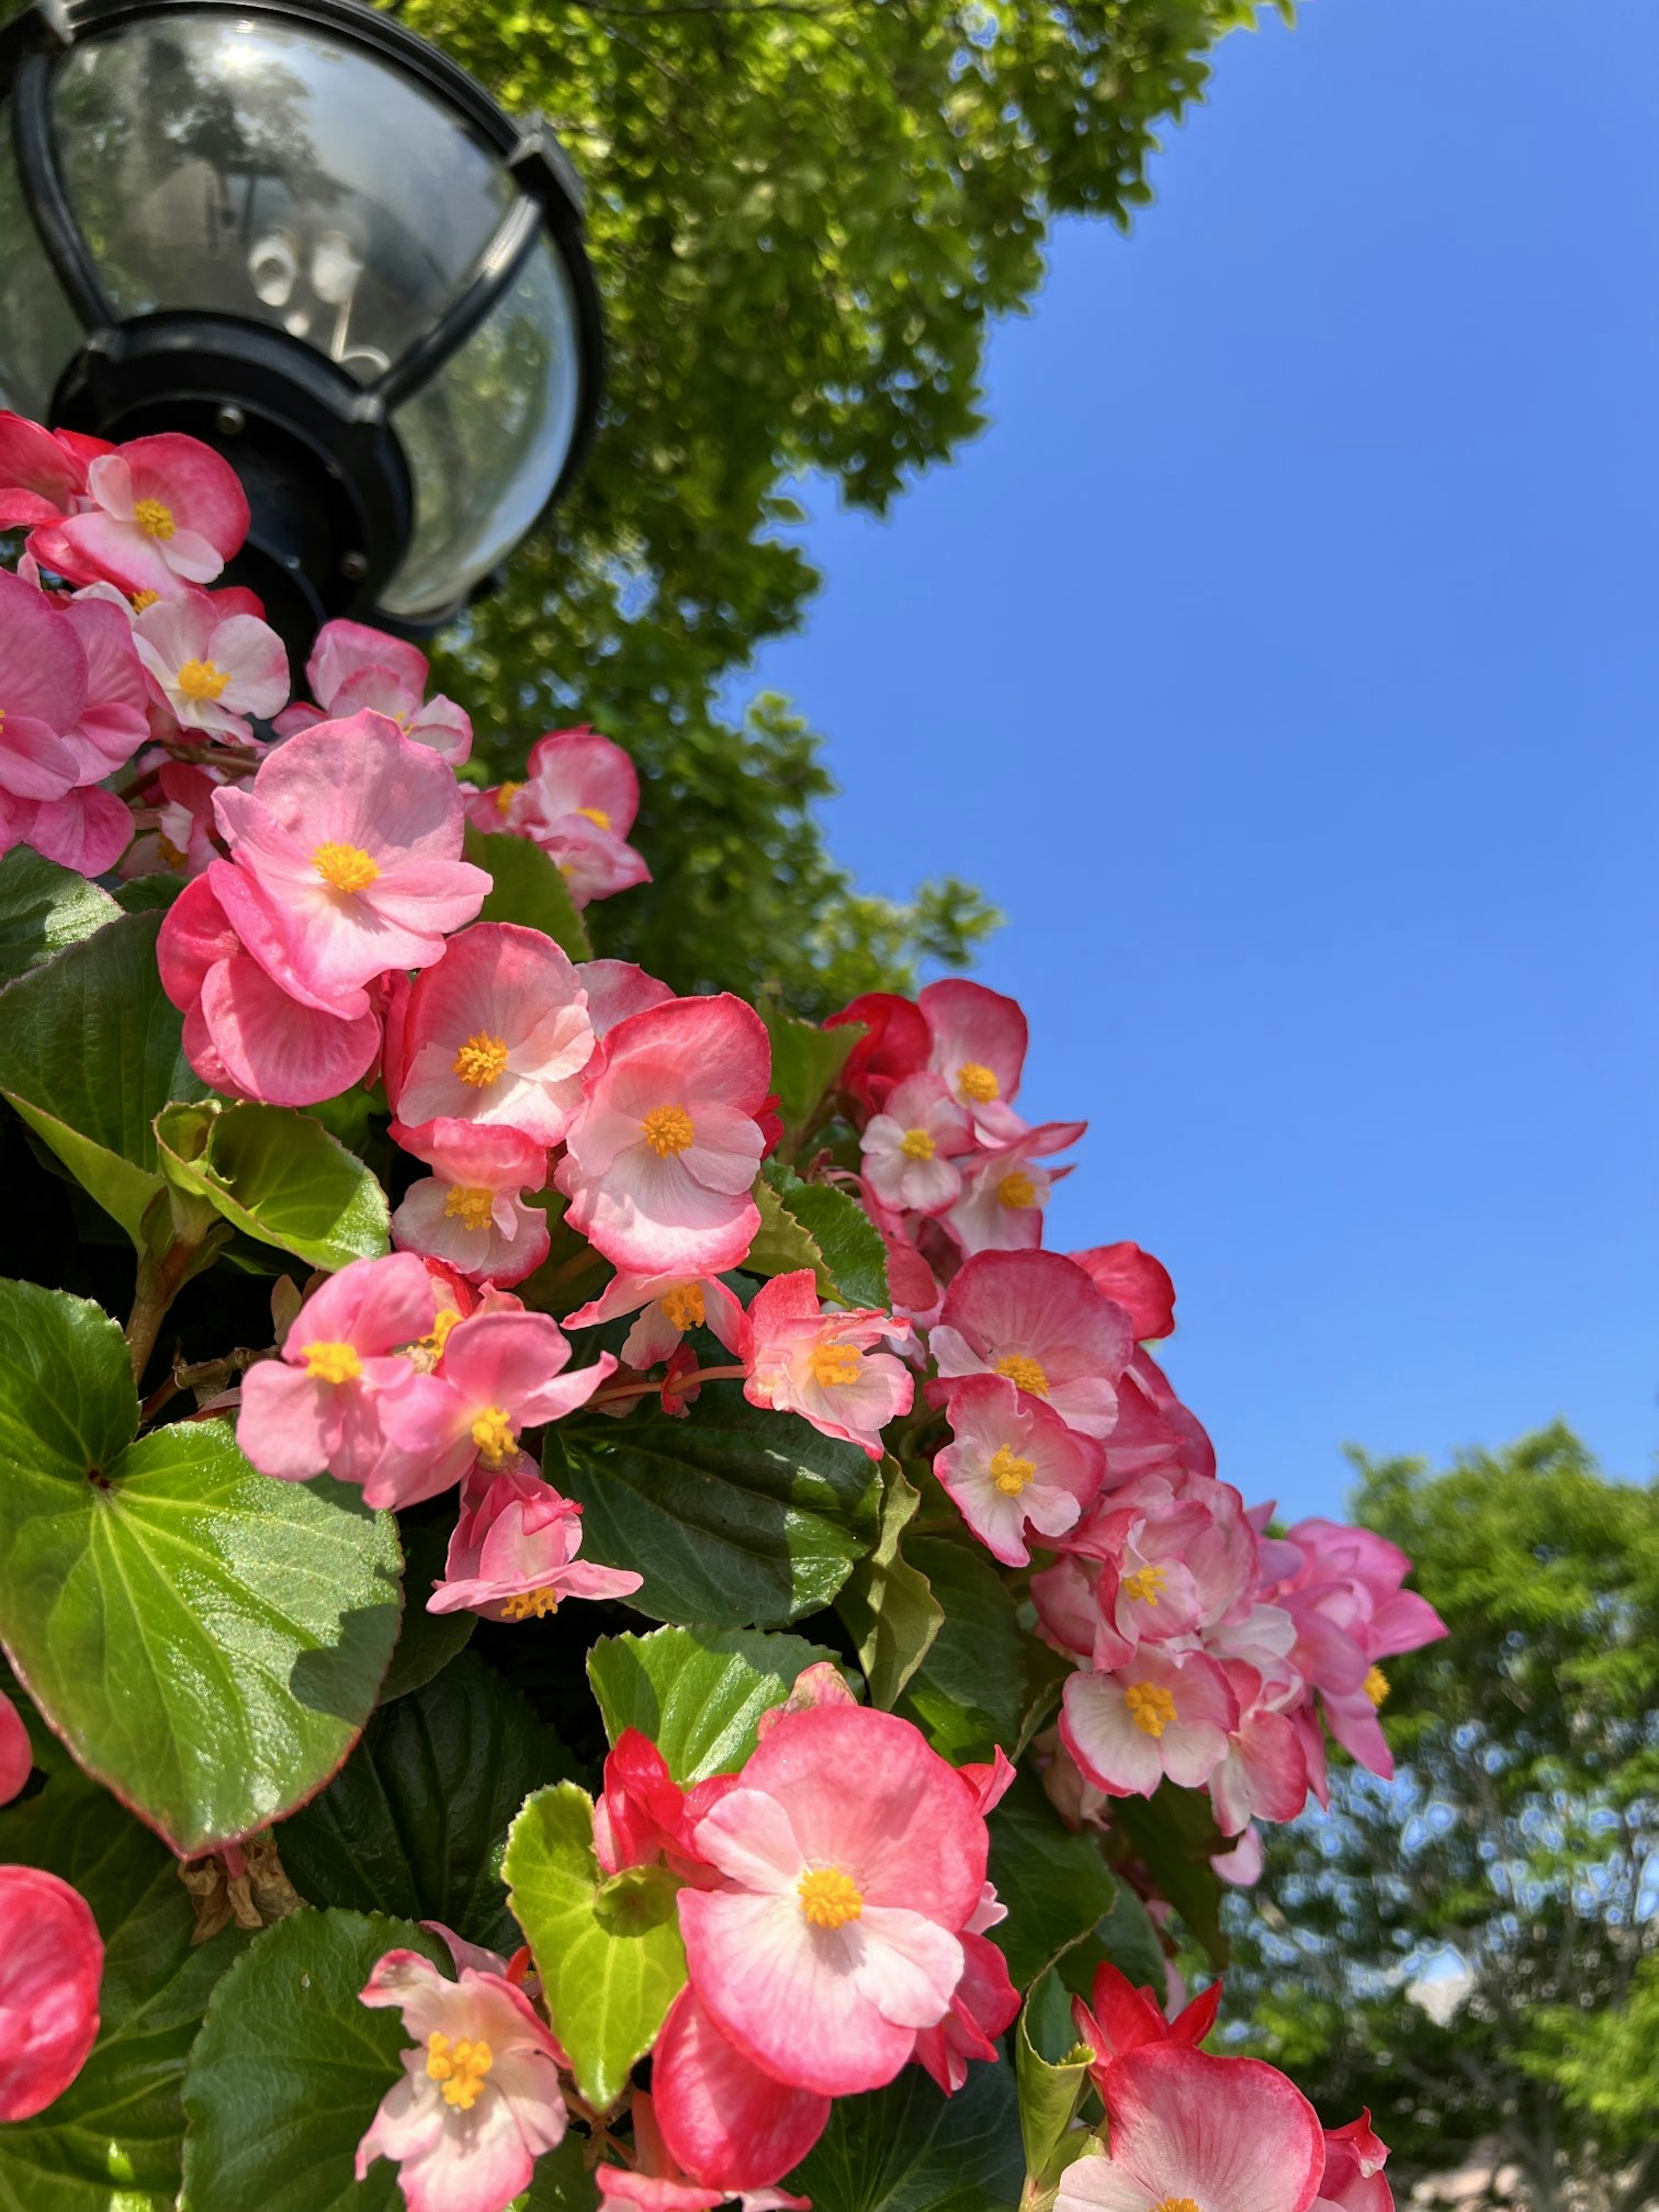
427	1642
908	2148
148	894
1054	1883
893	1614
111	2142
527	889
609	1953
1175	1832
968	1692
698	1693
564	2182
813	1225
290	2069
736	1517
279	1176
806	1061
43	908
206	1641
414	1823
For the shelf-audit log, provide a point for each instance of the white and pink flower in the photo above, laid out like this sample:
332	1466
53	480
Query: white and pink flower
1038	1319
1013	1468
161	514
212	669
352	666
471	1214
912	1147
513	1556
977	1040
1004	1193
1166	1713
577	801
823	1364
667	1305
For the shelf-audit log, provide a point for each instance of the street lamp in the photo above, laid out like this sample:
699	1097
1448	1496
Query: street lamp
294	229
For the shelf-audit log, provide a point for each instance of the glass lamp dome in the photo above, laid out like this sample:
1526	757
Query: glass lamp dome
294	229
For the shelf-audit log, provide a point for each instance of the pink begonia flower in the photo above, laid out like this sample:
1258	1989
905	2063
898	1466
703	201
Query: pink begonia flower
496	1033
322	1404
724	2120
1243	1867
512	1555
500	1372
1231	2134
1137	1282
658	2184
16	1755
984	2003
895	1045
910	1148
1166	1713
1038	1320
615	989
668	1306
244	1034
1265	1773
347	861
639	1817
1353	2180
577	801
213	670
853	1857
820	1362
471	1214
52	1965
1012	1466
660	1159
43	475
166	513
480	2098
43	690
352	666
1118	2018
87	828
180	795
1004	1193
977	1041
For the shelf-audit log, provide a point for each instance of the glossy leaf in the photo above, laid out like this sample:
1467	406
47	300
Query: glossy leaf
813	1225
1054	1883
609	1953
112	2143
1051	2070
968	1692
279	1176
415	1822
206	1641
290	2069
806	1061
564	2182
527	887
90	1052
43	908
1175	1832
698	1693
736	1517
427	1642
887	1604
909	2148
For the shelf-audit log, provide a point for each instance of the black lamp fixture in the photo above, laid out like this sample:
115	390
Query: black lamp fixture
295	230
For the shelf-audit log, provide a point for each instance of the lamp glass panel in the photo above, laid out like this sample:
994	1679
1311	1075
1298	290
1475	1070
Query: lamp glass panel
39	333
487	438
242	166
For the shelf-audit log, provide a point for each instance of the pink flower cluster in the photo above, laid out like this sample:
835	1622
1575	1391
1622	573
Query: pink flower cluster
577	801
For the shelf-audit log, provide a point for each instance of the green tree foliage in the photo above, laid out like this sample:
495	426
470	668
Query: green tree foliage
804	214
1521	1842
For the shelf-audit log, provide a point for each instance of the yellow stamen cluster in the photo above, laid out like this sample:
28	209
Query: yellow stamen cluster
494	1435
835	1365
505	795
347	867
480	1061
154	518
596	815
1009	1473
1146	1585
917	1145
332	1362
684	1306
1017	1192
470	1205
828	1898
202	679
144	600
460	2066
429	1349
1151	1705
1175	2204
1376	1685
1025	1373
668	1129
978	1083
531	1604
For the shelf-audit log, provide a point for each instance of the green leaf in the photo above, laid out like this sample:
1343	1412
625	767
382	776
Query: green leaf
1051	2070
206	1641
527	887
1175	1832
813	1225
279	1176
90	1052
1054	1883
1126	1936
970	1690
562	2182
290	2069
806	1061
698	1693
609	1953
111	2142
43	908
148	894
735	1517
907	2149
427	1642
887	1604
415	1822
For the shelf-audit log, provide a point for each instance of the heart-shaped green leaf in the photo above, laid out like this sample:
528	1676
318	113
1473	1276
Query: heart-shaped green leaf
736	1517
290	2069
527	887
970	1690
907	2149
1175	1832
206	1641
813	1225
90	1052
698	1693
806	1061
893	1615
277	1176
427	1642
1055	1882
43	908
111	2142
609	1953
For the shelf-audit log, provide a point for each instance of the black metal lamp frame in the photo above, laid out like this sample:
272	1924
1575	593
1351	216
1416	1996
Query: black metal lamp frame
327	478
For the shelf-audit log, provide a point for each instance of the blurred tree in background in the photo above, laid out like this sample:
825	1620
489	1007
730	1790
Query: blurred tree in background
1516	1855
802	213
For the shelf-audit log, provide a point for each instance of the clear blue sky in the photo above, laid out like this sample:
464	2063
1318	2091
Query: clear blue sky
1285	662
